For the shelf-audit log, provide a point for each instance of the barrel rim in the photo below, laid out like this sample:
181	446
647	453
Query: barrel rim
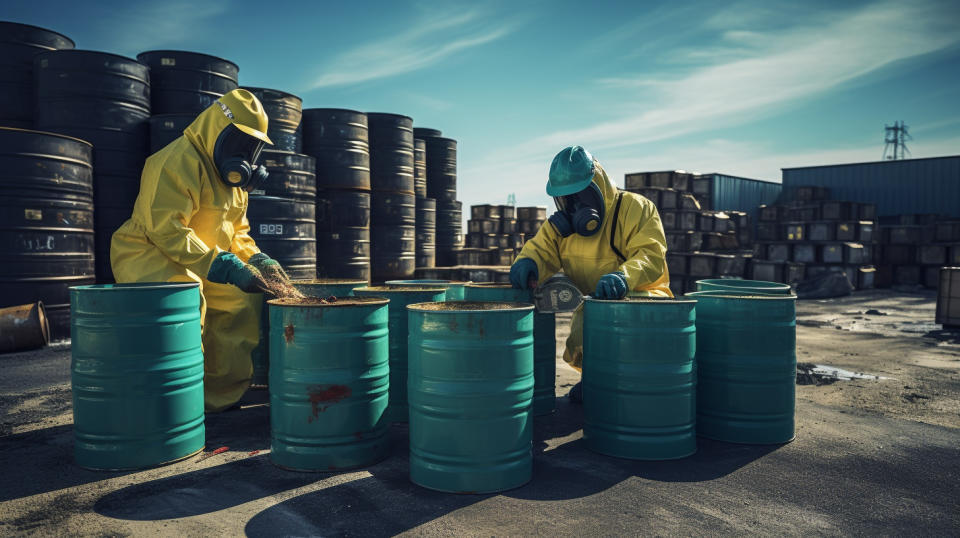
726	294
193	53
388	115
427	282
445	307
88	51
350	110
348	302
126	286
13	23
177	114
259	88
636	299
744	283
48	133
399	289
327	281
491	285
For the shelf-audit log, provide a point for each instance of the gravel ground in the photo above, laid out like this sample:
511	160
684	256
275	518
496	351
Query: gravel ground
872	456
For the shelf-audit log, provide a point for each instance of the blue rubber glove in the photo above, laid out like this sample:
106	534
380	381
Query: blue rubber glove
522	271
611	286
228	269
268	267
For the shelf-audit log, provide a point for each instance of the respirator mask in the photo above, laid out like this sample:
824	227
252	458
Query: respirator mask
234	155
580	213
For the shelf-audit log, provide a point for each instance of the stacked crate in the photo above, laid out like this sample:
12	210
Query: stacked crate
915	247
807	235
492	236
700	243
529	221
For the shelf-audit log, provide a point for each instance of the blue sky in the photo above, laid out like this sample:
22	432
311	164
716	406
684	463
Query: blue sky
743	88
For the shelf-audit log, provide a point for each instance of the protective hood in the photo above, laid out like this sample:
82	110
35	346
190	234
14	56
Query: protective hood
607	188
238	107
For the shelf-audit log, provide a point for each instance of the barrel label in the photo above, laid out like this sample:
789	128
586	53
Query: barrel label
38	244
271	229
168	61
32	214
256	192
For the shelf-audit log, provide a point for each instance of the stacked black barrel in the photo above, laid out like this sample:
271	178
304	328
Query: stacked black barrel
442	187
46	221
104	99
392	197
282	213
426	253
339	141
19	43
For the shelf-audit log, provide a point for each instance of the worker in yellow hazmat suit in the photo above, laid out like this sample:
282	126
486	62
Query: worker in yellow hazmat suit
608	242
189	224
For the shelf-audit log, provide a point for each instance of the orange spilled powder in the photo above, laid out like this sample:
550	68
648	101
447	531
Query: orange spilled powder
323	396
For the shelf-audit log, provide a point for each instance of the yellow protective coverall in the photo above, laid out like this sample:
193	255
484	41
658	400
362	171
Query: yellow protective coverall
639	237
183	218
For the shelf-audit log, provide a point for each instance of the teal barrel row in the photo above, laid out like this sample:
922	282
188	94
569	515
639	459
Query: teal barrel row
470	391
454	288
747	367
136	374
329	384
743	286
544	341
399	299
639	378
311	288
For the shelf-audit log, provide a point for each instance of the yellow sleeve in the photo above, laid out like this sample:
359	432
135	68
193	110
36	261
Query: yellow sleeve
544	249
243	245
175	200
644	244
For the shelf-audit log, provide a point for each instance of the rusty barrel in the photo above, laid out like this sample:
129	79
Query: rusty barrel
23	327
399	299
329	383
136	373
544	340
470	395
323	288
639	378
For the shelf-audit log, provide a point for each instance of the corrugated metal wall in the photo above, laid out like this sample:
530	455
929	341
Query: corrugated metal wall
912	186
731	193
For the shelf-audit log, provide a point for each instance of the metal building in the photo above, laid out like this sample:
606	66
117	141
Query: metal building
732	193
904	187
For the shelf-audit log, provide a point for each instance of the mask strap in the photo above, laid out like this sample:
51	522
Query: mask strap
613	230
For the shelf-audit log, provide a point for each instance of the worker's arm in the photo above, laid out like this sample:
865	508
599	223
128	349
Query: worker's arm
243	245
642	242
544	250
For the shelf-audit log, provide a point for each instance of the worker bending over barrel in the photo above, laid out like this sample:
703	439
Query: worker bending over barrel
189	224
608	242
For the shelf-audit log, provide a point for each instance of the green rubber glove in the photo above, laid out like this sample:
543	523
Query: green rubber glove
268	267
228	269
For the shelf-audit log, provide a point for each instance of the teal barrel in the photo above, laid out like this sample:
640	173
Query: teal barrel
470	391
399	299
311	288
328	287
743	286
746	367
329	383
454	288
136	373
544	340
639	378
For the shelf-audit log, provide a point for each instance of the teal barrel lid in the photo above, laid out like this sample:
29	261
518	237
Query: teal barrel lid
738	285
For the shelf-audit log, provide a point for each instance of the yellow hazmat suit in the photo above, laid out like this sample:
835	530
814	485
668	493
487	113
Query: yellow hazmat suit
639	237
183	218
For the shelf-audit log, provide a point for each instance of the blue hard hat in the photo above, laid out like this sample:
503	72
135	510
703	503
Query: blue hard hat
570	172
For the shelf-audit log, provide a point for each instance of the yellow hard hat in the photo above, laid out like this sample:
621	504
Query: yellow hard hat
245	111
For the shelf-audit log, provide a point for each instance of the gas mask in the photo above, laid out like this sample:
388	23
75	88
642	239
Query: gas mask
581	212
234	155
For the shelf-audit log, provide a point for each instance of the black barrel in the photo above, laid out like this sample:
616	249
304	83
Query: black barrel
338	209
285	111
426	132
338	139
392	252
344	254
420	167
292	175
46	221
391	153
393	208
104	99
187	82
165	128
285	230
441	169
426	225
449	232
19	43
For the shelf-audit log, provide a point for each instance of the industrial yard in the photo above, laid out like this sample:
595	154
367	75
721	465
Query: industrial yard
871	456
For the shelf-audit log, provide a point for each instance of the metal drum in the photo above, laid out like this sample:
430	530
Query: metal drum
746	367
137	374
449	236
391	153
165	128
454	289
420	168
399	299
19	43
329	287
441	168
426	226
470	392
285	229
743	286
329	383
639	378
292	175
284	111
544	340
344	254
187	82
339	140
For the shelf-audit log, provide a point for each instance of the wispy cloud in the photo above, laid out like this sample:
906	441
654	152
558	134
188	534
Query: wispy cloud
428	42
135	27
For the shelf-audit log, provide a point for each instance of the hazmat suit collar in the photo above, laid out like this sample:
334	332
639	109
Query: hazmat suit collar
204	130
607	187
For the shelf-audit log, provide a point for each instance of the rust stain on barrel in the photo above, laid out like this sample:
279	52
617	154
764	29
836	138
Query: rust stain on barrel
323	396
288	333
